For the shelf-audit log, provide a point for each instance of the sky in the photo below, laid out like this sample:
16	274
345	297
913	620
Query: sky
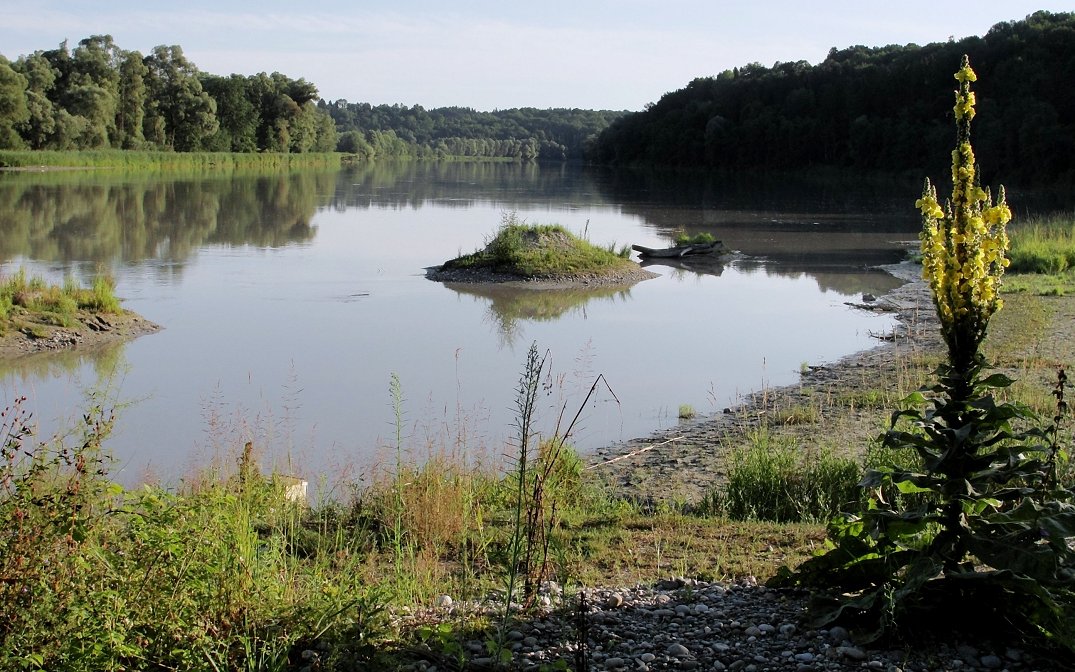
486	54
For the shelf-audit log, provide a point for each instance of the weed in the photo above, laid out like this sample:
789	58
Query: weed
686	412
781	482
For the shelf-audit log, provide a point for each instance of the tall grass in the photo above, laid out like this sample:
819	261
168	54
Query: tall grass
57	305
164	161
783	482
1043	245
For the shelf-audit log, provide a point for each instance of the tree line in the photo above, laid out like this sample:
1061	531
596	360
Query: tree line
885	108
520	133
98	95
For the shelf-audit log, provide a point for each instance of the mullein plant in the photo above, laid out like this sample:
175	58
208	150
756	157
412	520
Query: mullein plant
967	525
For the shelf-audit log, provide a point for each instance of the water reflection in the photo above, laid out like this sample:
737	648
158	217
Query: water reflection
104	361
682	268
510	304
414	184
102	219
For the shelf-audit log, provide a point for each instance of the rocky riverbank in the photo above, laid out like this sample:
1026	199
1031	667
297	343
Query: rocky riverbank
89	330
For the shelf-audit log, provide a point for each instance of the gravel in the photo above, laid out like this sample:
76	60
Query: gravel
684	624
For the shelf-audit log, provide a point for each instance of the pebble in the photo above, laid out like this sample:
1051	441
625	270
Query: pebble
724	627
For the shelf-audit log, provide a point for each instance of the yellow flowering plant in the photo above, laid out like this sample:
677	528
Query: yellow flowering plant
967	524
964	243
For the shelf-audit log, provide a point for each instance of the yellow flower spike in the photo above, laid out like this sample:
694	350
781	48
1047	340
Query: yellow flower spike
963	244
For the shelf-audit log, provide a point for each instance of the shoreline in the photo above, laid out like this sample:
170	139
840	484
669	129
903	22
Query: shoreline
628	276
93	331
681	463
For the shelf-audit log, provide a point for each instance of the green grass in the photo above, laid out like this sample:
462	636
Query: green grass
781	481
703	238
1044	245
25	301
164	161
541	251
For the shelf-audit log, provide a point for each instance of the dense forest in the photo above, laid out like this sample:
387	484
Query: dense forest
886	108
881	108
98	95
523	133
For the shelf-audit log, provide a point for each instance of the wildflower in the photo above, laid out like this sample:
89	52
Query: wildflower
964	243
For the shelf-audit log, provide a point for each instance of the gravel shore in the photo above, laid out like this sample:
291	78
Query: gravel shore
683	624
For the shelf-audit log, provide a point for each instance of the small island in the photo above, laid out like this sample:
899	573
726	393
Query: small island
36	316
541	257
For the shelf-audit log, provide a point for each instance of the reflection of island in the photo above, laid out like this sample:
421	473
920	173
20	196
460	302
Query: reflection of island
105	218
107	360
512	303
681	266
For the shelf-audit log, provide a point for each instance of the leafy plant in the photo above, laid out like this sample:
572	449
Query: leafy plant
975	528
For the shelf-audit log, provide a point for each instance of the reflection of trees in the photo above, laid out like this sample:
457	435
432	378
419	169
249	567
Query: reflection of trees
511	304
813	223
399	184
105	219
843	280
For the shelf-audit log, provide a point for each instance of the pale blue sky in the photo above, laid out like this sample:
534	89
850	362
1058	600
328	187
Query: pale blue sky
483	54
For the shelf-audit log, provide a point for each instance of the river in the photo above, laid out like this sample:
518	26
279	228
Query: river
290	301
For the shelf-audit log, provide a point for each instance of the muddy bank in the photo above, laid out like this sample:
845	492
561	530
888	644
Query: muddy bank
621	277
91	330
681	463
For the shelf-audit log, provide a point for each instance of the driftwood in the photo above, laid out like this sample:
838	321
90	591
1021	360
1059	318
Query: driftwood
680	250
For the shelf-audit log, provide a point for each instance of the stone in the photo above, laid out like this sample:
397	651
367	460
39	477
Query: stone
678	650
991	662
838	634
851	652
444	601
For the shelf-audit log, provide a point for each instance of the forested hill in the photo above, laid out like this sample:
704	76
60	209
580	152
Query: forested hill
886	108
521	133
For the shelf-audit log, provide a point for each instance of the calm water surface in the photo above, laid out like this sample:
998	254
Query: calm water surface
289	301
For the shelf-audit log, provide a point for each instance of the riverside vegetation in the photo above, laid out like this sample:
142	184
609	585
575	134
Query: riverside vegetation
35	315
524	251
224	571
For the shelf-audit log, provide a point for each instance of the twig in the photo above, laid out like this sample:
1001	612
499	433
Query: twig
634	452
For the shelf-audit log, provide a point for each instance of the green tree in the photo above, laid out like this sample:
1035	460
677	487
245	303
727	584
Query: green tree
92	89
181	115
131	108
40	124
13	109
237	114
